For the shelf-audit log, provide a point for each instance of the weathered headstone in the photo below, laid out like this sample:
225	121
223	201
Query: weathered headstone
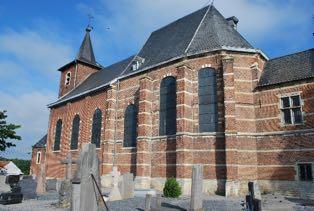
148	201
85	195
65	191
127	186
197	188
41	187
115	192
158	201
28	186
51	184
3	186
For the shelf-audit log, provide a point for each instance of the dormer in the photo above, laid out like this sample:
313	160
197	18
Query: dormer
78	70
137	62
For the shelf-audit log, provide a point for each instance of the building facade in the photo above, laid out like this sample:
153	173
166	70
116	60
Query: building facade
196	93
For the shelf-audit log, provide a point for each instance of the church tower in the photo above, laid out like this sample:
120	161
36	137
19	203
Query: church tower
78	70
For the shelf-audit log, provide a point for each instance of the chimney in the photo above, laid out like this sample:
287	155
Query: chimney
233	22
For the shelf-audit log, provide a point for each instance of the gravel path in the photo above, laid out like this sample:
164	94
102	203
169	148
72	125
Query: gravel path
271	202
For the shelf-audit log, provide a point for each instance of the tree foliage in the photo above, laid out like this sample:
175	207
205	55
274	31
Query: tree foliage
7	132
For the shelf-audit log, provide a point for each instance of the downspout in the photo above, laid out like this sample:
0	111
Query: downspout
115	124
75	75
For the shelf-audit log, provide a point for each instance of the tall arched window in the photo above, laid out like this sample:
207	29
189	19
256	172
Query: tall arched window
96	128
75	131
58	131
168	104
207	95
130	126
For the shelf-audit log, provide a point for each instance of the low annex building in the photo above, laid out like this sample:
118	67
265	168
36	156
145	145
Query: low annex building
196	93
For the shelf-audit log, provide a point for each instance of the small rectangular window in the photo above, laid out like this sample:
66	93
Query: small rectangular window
38	157
291	112
305	172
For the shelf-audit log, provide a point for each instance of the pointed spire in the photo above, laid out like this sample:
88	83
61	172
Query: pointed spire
86	53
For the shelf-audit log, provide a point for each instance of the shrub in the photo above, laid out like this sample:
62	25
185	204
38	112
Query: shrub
172	188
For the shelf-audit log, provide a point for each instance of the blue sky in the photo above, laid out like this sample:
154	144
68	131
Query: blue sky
37	37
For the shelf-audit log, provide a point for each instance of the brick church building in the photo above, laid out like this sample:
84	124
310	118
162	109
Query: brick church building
196	93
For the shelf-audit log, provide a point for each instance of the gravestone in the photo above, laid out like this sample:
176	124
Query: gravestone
40	189
115	192
51	184
3	186
127	186
85	195
148	201
197	188
65	191
252	203
14	196
28	186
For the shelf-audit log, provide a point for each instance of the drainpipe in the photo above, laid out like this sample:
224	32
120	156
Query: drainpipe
115	124
75	74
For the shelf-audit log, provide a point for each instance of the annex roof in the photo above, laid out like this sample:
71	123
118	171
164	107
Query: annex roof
288	68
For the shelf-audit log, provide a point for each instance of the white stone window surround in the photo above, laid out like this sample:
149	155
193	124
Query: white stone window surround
297	176
292	116
38	157
67	79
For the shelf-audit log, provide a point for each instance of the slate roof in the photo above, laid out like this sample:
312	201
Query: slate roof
41	143
201	31
288	68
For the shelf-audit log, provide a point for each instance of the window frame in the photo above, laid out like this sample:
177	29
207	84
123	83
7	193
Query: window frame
78	132
298	176
67	79
38	155
207	100
133	119
167	111
291	109
55	134
100	127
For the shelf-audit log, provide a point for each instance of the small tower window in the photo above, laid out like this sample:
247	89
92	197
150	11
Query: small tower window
38	158
68	78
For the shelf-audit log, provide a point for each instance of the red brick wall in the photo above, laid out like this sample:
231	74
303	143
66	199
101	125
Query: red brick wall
35	167
240	150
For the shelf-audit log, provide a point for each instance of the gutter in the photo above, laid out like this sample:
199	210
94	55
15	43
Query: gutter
228	48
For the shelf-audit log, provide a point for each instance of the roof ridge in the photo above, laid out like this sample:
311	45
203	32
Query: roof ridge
291	54
179	19
196	31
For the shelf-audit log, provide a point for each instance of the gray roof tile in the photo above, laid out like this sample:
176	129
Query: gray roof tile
288	68
203	30
41	143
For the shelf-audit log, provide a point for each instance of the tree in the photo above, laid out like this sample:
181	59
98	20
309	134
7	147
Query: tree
7	132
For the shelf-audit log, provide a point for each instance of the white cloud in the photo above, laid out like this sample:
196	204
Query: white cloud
40	52
132	21
28	110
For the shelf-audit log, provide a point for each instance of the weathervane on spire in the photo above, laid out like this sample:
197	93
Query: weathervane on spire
90	19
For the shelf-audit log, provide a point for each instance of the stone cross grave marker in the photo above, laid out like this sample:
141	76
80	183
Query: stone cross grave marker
127	186
115	192
65	192
41	180
85	195
68	161
197	188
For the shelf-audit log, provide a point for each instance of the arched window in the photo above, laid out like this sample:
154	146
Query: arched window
96	128
67	78
207	95
130	126
75	131
168	104
56	146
